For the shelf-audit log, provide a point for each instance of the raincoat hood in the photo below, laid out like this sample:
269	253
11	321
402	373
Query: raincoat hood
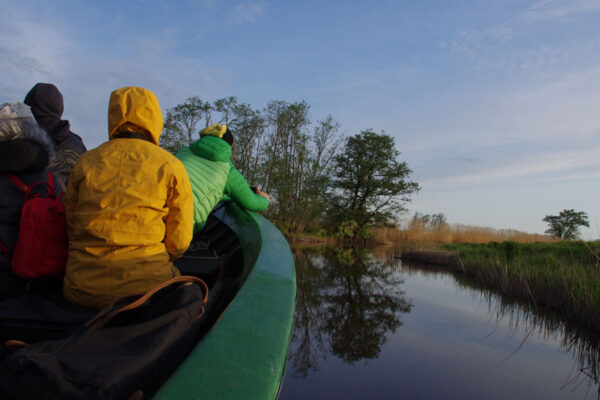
46	104
134	109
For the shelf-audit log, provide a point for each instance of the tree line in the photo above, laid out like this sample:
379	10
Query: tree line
319	180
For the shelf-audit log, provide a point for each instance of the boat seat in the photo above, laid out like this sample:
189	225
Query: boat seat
208	251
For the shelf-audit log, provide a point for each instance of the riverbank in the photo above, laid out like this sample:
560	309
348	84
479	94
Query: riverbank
562	277
301	240
445	234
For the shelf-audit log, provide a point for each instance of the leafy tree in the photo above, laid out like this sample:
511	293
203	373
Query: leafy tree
248	127
226	107
314	184
285	148
296	164
183	121
370	184
300	167
565	225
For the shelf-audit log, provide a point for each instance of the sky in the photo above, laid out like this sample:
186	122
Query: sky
493	104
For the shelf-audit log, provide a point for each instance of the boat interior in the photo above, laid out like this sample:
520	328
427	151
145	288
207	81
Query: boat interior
38	311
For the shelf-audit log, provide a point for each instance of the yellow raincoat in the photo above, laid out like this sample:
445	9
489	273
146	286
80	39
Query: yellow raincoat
129	207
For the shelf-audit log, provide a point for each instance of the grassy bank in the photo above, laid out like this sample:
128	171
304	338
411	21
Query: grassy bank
562	277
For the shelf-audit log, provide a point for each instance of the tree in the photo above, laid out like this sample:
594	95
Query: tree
565	225
226	107
248	126
182	122
313	196
286	152
370	184
422	222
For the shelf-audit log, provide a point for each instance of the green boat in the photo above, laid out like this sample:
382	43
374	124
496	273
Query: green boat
242	353
243	356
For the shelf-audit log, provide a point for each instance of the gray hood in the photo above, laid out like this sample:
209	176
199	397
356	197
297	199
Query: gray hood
17	122
24	146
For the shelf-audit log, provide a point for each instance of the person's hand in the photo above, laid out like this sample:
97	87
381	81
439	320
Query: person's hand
259	192
263	194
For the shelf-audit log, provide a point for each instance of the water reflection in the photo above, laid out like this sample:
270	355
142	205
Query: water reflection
366	323
526	320
348	302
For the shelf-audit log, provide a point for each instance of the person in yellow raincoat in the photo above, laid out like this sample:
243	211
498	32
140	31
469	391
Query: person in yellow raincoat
129	207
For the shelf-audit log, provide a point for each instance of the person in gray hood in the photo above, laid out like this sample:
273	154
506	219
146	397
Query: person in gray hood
26	151
47	106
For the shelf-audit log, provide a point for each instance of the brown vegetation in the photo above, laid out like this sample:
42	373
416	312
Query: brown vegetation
456	233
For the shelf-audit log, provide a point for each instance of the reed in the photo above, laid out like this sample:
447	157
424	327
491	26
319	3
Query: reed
562	277
455	233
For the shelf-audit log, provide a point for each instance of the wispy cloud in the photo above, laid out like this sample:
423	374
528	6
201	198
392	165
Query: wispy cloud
33	51
554	113
246	12
519	42
576	164
29	50
555	9
486	54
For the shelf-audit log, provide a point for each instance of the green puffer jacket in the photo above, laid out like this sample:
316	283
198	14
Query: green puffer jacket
213	177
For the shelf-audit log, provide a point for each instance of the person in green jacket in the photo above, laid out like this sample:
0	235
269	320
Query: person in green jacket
213	176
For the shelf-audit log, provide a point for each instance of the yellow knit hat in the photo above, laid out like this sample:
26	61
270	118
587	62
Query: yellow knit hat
217	130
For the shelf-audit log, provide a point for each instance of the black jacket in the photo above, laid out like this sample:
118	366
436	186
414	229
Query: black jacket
26	153
47	106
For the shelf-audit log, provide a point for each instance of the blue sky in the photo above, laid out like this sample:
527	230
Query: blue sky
493	104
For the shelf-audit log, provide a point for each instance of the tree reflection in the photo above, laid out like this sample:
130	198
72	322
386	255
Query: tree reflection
347	305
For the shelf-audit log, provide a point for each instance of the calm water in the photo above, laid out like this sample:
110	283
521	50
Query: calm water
371	327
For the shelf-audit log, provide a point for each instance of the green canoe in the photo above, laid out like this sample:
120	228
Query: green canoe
244	354
242	348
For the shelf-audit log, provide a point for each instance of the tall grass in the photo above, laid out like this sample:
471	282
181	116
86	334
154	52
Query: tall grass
455	233
562	276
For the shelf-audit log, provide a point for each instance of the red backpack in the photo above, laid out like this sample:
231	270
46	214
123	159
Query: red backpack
42	246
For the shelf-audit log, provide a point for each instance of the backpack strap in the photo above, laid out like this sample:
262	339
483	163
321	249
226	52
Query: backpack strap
18	183
110	312
50	184
28	189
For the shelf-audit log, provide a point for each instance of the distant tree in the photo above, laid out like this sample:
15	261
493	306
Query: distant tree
370	185
419	222
226	107
438	221
565	225
422	222
182	123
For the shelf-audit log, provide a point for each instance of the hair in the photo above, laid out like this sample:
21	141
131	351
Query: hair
228	137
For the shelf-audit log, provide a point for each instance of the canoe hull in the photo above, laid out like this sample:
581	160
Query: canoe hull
244	354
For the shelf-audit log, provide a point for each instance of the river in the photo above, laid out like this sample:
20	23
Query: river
370	326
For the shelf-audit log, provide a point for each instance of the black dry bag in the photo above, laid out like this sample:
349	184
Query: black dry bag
127	351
